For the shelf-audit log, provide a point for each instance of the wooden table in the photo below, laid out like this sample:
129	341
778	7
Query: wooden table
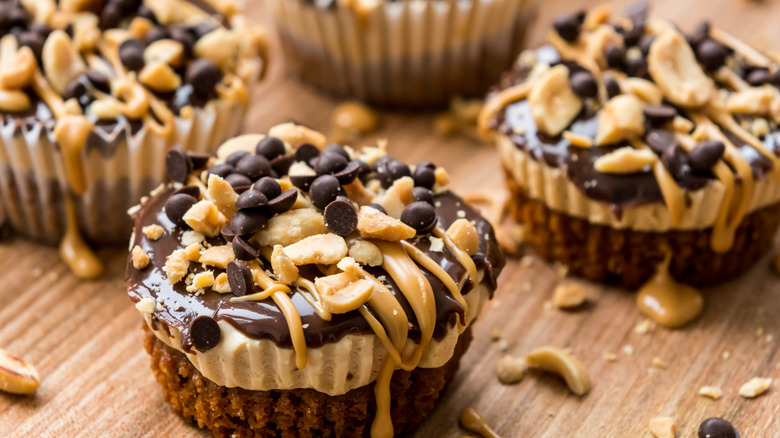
85	337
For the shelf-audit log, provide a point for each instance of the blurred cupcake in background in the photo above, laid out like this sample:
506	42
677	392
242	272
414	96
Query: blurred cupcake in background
93	94
401	53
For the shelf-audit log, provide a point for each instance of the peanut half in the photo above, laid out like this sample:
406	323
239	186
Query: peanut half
16	375
562	363
553	103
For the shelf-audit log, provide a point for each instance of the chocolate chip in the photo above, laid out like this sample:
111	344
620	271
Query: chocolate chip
98	80
248	221
645	43
251	199
281	164
268	186
616	57
201	29
75	89
706	154
34	41
235	157
422	194
193	191
636	67
240	278
177	205
203	75
398	169
717	427
424	177
676	160
156	33
131	53
254	166
185	38
758	77
222	170
205	333
378	207
584	84
306	153
349	173
145	12
283	202
659	114
303	182
341	217
365	169
270	147
700	33
228	233
324	190
419	215
660	140
178	165
199	160
330	163
567	26
612	87
711	54
243	249
238	180
110	16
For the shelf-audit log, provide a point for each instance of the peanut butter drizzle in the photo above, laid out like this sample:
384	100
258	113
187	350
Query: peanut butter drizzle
674	196
497	102
751	54
74	251
473	421
669	303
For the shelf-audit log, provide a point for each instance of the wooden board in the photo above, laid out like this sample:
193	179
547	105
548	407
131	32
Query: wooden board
86	342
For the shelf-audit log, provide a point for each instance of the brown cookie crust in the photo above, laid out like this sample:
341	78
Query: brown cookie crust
629	258
299	412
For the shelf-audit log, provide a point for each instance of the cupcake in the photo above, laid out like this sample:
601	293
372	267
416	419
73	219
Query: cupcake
294	288
630	146
401	53
92	96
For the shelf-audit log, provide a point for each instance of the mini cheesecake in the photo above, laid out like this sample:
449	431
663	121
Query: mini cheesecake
294	288
629	145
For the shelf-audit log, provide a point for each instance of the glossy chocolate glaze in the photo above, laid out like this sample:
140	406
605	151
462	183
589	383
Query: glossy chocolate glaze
263	319
515	121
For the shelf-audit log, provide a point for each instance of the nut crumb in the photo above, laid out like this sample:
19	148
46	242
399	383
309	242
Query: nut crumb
146	305
568	294
610	357
140	258
503	345
511	369
644	327
153	231
628	350
495	335
712	392
660	363
755	387
726	355
662	427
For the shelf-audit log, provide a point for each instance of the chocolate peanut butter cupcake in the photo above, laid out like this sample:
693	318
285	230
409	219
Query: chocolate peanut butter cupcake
93	95
630	142
401	53
294	288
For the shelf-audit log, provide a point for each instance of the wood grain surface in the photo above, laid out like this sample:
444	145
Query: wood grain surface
85	337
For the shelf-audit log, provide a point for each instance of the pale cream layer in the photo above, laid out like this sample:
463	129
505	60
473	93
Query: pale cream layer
401	30
551	186
334	369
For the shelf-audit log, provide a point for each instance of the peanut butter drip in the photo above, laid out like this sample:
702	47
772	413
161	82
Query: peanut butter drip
74	251
669	303
473	421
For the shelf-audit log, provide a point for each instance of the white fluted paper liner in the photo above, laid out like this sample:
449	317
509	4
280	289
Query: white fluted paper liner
551	186
416	52
33	183
334	369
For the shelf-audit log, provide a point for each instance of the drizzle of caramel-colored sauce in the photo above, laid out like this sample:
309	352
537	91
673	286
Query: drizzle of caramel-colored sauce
668	302
473	421
74	251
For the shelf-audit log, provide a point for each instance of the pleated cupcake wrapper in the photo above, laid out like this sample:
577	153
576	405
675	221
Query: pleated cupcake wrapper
334	369
553	187
33	184
404	53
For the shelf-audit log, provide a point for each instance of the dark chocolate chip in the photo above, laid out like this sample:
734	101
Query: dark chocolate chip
711	54
270	147
758	77
341	216
75	89
645	43
717	427
424	177
98	80
248	221
336	149
239	278
185	38
156	33
243	249
676	160
228	232
193	191
235	157
283	202
268	186
612	87
660	140
567	26
40	28
324	190
281	164
199	159
201	29
110	16
254	166
222	170
178	164
205	333
251	199
427	164
419	215
616	57
203	75
398	169
659	114
34	41
238	180
131	53
306	153
365	169
177	205
145	12
700	33
303	182
706	154
584	84
330	163
422	194
349	173
636	67
378	207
